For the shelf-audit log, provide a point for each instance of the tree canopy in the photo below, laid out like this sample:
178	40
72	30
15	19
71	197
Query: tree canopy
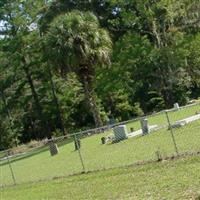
67	66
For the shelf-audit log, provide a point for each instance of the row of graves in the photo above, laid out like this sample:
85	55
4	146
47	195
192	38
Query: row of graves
120	132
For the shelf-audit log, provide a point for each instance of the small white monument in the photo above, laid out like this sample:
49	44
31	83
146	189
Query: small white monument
144	126
176	106
120	133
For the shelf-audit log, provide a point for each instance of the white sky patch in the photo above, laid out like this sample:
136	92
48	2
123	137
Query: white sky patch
3	26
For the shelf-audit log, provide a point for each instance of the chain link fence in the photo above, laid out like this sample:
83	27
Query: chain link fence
157	136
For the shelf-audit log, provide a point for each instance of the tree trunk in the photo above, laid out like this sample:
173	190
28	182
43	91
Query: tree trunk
55	99
7	109
10	118
91	100
38	106
156	35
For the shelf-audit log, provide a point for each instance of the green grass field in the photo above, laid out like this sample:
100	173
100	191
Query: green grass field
40	165
177	179
160	118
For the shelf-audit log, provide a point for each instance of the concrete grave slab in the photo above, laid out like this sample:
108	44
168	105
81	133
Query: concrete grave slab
185	121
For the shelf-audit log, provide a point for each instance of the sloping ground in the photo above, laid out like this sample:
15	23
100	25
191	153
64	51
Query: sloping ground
42	166
177	179
39	165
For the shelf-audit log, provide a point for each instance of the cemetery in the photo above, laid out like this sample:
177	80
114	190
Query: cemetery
99	99
123	145
120	132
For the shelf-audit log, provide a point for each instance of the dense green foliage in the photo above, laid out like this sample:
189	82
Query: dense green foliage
60	72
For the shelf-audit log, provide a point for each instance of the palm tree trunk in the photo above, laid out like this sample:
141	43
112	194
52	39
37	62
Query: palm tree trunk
91	100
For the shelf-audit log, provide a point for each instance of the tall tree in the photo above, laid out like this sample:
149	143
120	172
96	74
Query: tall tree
79	44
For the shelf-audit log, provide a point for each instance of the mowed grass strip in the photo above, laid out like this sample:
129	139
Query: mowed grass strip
41	166
96	156
160	118
177	179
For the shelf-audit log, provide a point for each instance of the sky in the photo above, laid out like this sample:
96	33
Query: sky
2	26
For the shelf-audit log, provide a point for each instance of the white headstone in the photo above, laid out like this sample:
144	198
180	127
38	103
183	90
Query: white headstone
176	106
120	132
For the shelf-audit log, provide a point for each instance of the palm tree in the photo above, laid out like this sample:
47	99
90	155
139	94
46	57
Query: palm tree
75	42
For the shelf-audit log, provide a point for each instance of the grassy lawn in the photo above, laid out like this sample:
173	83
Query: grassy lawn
160	118
40	165
177	179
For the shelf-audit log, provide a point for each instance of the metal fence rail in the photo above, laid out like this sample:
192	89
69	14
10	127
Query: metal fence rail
171	132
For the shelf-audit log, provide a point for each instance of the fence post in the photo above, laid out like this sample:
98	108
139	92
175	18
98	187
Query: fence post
79	152
172	132
11	169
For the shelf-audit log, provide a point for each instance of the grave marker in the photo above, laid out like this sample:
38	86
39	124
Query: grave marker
120	133
176	106
144	126
53	148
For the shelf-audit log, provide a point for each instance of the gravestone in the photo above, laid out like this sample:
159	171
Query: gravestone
53	148
144	126
176	106
120	133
